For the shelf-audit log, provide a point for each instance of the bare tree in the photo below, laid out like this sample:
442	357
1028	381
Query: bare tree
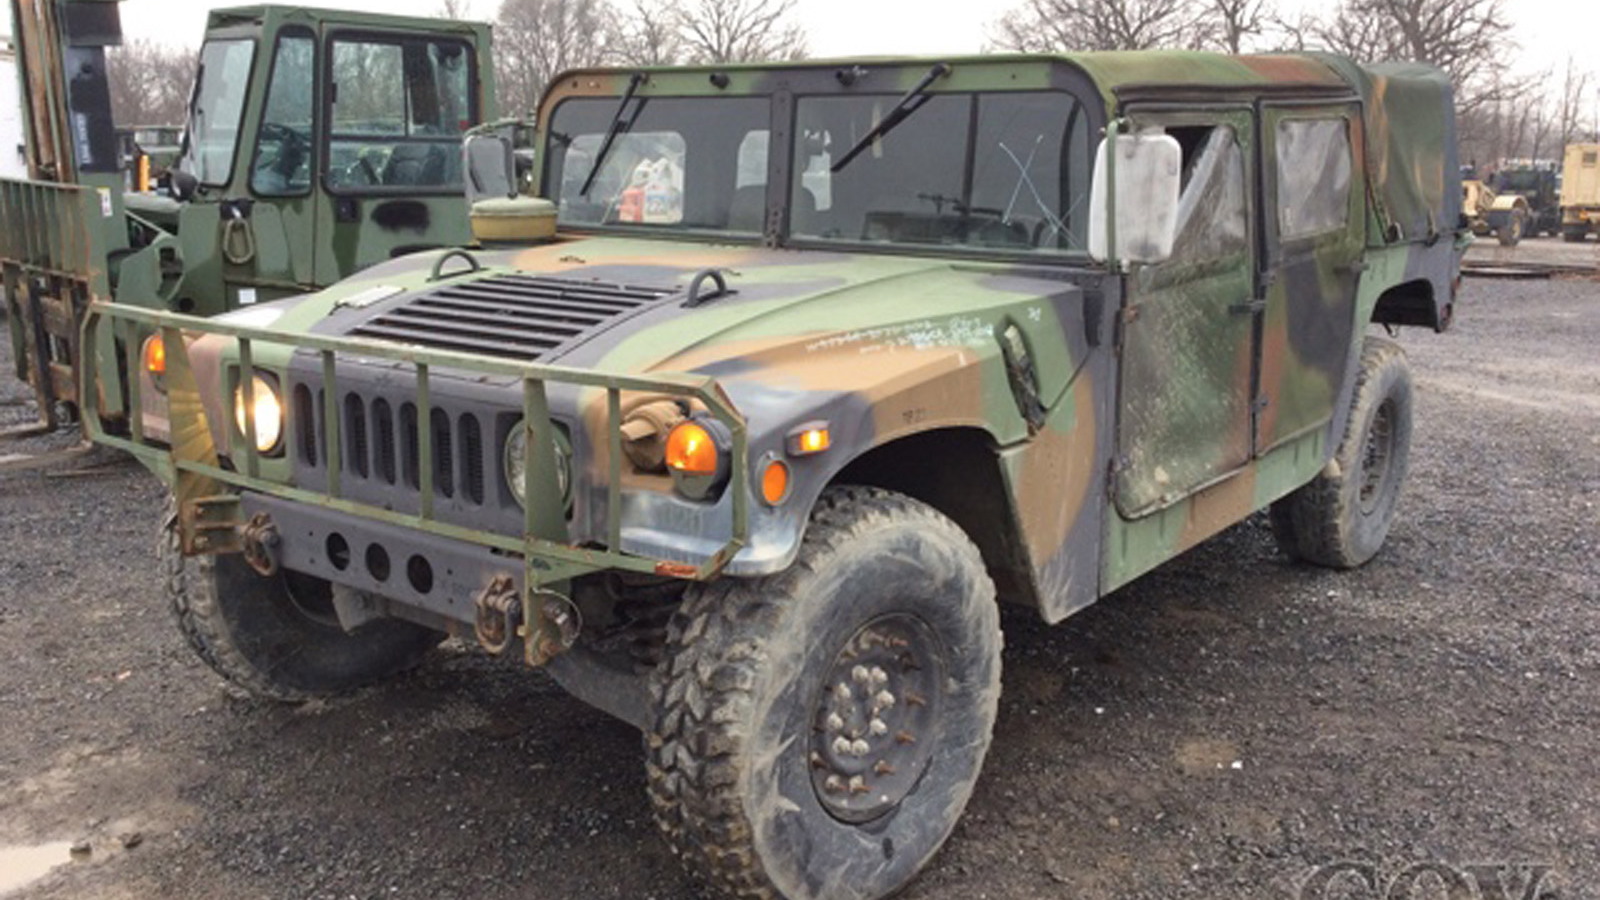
454	9
650	37
537	39
1236	21
1046	25
1470	39
718	31
1574	92
150	83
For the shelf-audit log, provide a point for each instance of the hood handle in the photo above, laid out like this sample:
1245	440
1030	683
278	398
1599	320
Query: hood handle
696	298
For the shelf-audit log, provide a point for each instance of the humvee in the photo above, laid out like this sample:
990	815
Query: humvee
795	371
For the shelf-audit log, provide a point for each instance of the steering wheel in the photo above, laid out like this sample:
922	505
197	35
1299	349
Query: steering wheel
294	148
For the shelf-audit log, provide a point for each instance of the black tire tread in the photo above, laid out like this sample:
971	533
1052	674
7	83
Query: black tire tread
715	644
1308	523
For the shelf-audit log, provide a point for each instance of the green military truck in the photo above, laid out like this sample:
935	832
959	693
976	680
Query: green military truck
819	361
318	142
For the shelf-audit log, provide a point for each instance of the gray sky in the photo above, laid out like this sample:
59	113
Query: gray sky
1548	30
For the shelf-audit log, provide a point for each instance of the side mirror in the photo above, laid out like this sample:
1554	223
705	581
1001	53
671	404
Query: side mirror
490	165
1144	172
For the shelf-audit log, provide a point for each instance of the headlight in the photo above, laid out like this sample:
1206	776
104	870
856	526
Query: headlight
268	413
517	461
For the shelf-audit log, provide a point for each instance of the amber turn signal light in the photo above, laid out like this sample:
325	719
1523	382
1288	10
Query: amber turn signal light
155	355
691	450
775	482
812	437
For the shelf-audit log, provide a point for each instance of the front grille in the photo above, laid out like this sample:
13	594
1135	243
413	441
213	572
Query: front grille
517	316
380	448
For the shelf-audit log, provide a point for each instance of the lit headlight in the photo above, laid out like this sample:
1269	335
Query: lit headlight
517	460
268	414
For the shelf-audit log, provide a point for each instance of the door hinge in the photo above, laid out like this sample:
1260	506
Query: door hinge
1249	307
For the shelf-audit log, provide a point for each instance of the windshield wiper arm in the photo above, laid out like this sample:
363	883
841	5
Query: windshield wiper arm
908	104
616	128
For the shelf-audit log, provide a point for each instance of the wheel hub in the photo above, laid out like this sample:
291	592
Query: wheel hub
875	718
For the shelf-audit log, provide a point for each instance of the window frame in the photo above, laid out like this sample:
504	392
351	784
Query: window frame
301	32
1283	237
398	39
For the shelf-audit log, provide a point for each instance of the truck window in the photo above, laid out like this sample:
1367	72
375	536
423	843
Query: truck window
1212	217
398	110
282	166
1003	170
678	162
220	90
1313	176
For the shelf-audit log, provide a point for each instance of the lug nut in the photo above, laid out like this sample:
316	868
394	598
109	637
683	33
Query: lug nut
877	727
842	691
817	762
884	700
905	737
842	746
833	785
859	674
877	675
883	768
858	785
916	699
835	723
859	747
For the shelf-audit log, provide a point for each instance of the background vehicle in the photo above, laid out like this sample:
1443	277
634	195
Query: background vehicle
1580	192
824	359
1537	183
319	142
159	145
1488	212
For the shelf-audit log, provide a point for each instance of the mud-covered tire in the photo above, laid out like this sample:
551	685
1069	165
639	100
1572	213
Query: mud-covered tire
747	691
276	637
1342	517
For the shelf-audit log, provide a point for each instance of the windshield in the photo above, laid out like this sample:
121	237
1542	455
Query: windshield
1519	180
1001	170
689	163
216	109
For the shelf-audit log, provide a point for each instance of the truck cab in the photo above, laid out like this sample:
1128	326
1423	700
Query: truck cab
317	143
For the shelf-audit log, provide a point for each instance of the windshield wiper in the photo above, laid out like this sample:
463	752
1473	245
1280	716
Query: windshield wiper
616	128
910	103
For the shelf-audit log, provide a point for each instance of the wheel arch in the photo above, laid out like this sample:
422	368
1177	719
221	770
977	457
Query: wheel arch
957	471
1412	302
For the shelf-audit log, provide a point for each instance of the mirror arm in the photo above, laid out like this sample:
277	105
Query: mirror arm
1113	128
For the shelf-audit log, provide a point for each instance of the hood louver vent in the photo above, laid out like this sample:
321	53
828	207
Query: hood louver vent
517	316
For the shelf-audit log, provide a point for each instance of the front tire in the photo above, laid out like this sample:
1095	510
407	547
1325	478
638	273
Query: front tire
818	732
1342	517
277	637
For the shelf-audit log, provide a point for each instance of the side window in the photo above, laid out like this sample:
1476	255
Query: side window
399	108
1213	219
282	165
1313	176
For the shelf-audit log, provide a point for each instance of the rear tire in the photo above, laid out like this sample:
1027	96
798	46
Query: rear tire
818	732
1510	233
276	636
1341	518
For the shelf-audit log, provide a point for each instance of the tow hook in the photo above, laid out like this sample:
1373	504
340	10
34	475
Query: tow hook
260	540
499	614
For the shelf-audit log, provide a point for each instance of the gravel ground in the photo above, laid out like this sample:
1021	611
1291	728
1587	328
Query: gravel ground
1219	729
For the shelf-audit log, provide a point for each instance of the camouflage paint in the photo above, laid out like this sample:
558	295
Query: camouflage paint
886	344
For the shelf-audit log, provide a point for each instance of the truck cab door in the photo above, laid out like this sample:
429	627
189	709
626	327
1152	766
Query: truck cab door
282	162
1187	325
396	107
1313	219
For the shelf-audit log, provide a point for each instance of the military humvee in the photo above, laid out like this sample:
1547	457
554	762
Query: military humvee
819	361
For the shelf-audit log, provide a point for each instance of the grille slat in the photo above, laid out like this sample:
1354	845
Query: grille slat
518	316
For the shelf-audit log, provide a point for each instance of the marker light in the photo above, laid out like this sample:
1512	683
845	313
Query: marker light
812	437
775	482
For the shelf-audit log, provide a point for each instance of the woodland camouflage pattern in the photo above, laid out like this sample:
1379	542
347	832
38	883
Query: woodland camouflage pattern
1146	439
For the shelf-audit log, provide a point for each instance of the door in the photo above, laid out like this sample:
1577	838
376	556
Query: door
1187	333
283	160
1315	232
396	108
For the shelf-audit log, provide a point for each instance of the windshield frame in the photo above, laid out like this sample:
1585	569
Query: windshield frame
188	156
789	83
